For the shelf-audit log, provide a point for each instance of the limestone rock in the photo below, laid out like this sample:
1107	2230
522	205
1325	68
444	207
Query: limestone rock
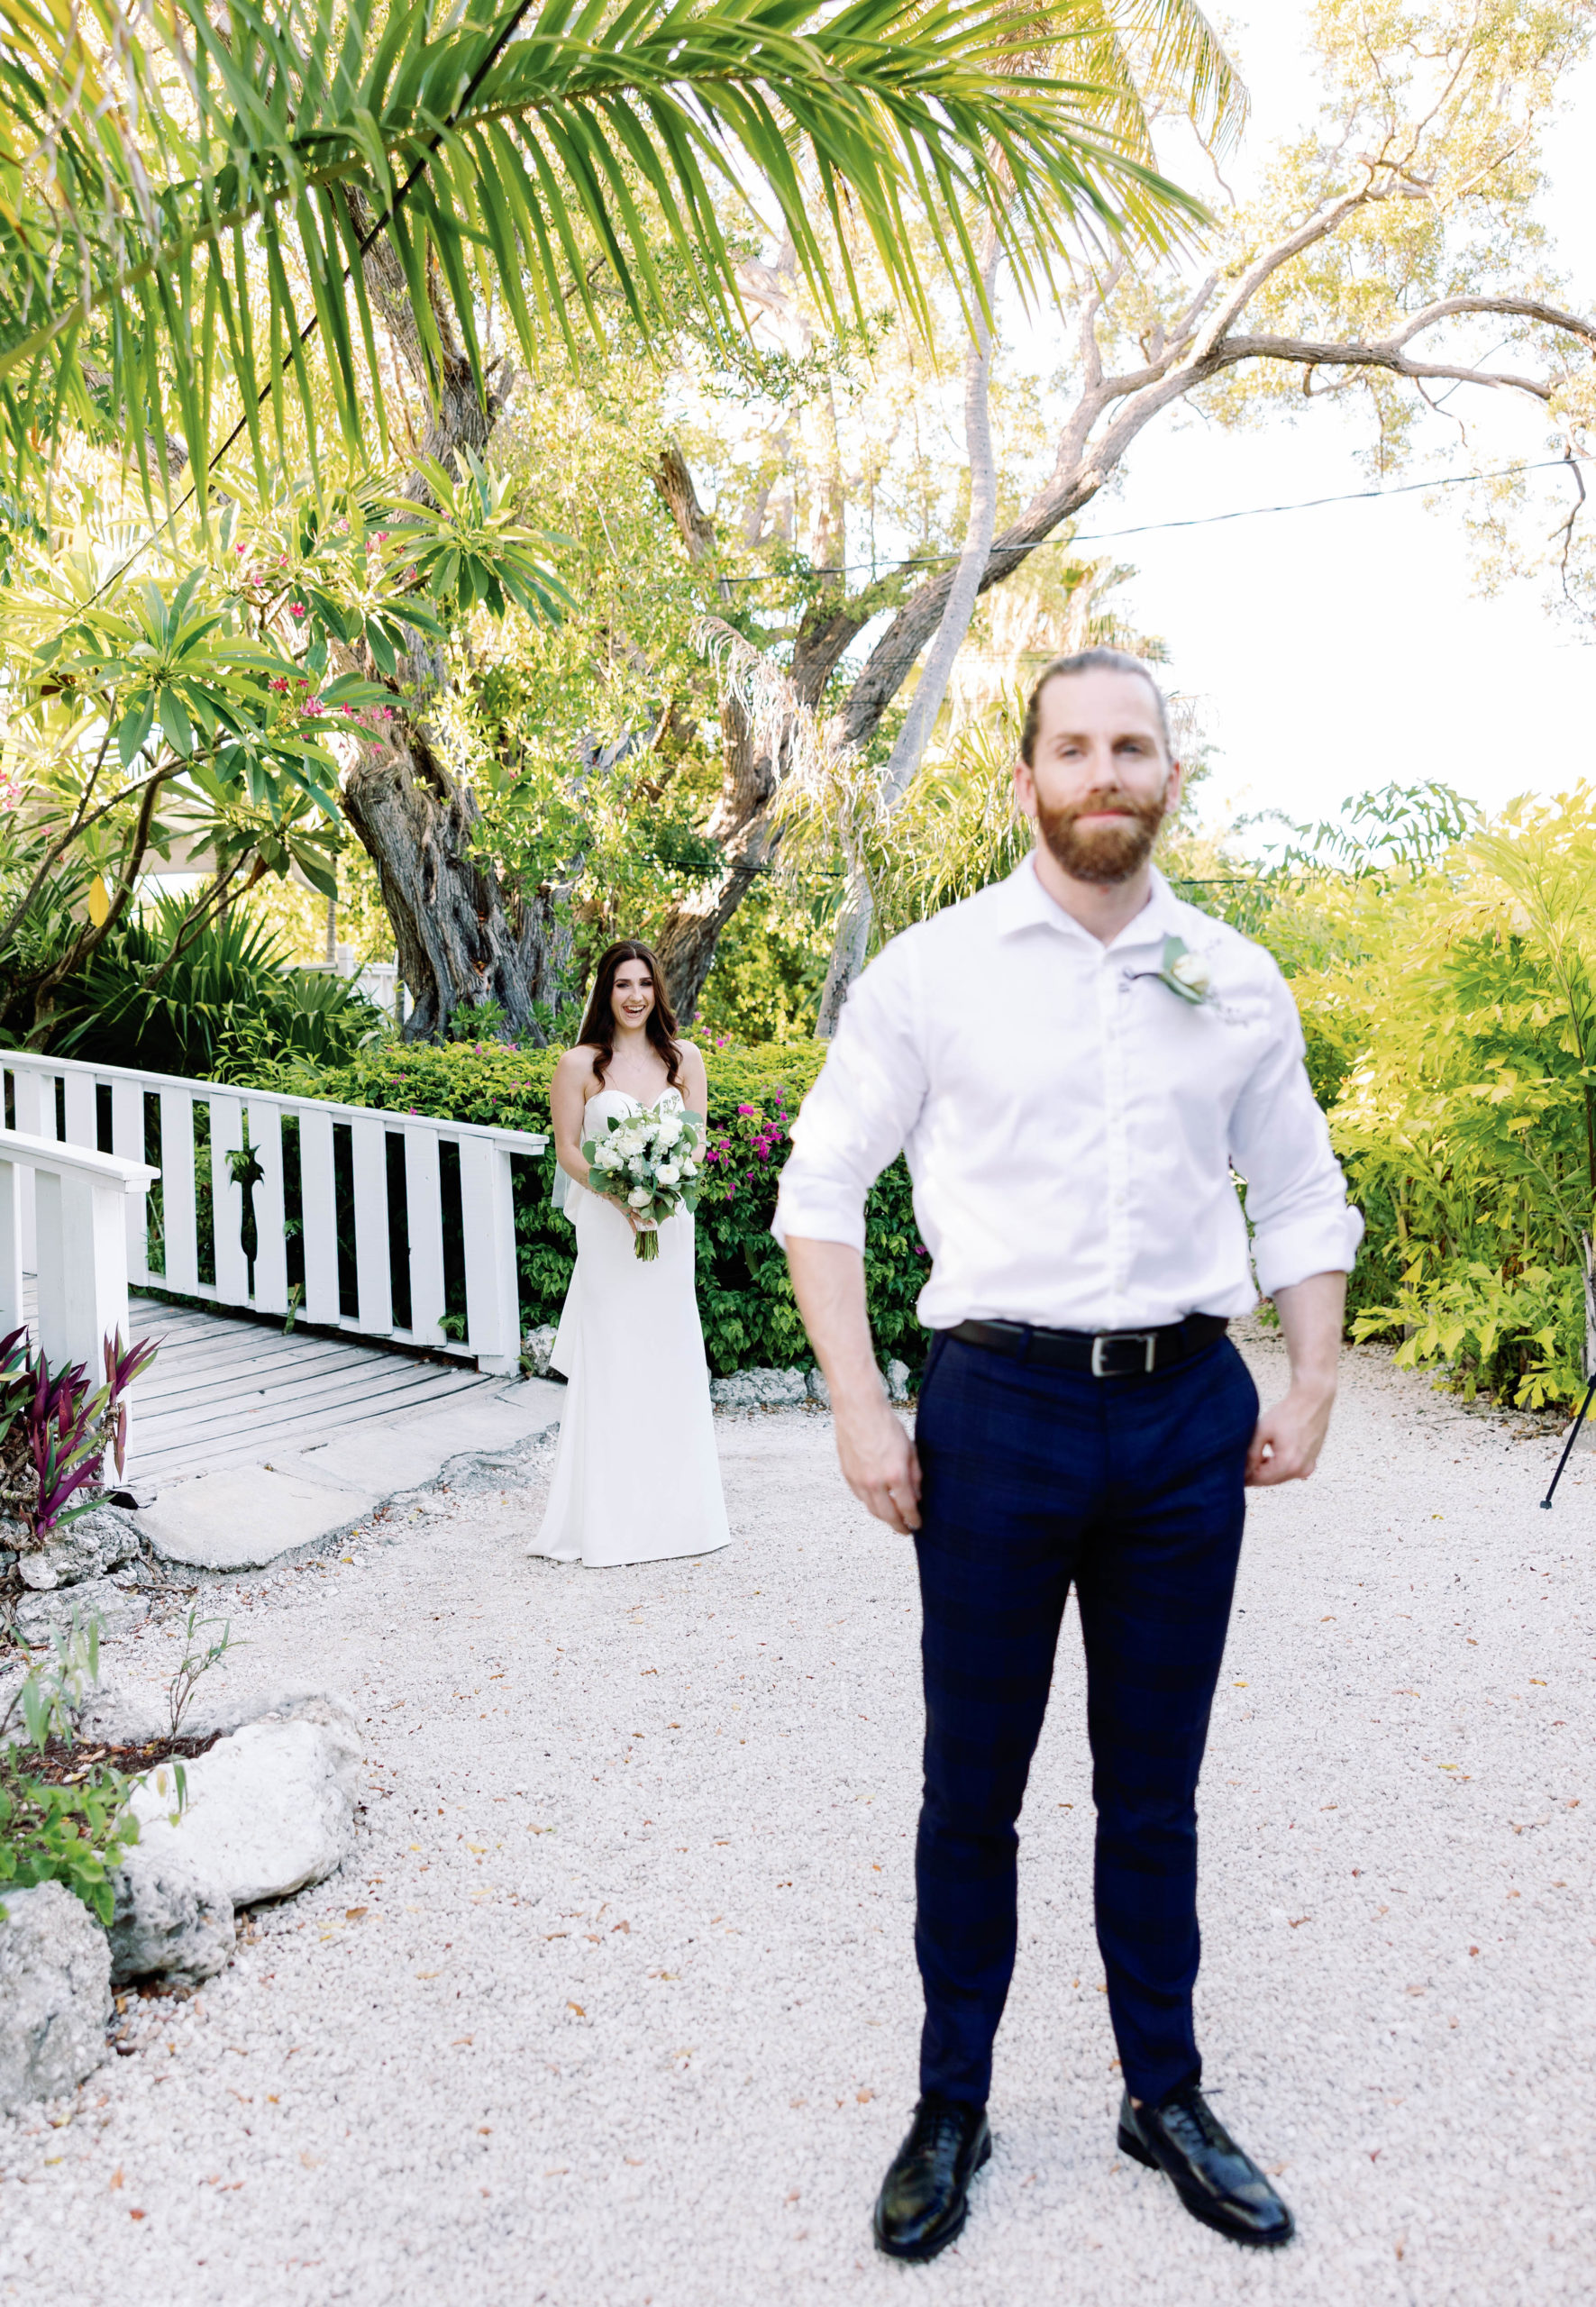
167	1923
55	1995
819	1391
39	1616
270	1809
334	1716
537	1346
86	1548
112	1716
898	1380
754	1389
170	1922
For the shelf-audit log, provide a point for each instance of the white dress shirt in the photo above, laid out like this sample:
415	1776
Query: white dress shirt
1072	1124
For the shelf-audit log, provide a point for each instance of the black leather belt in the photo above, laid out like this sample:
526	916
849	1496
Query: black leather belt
1110	1354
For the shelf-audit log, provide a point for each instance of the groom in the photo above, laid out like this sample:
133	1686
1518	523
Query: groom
1074	1062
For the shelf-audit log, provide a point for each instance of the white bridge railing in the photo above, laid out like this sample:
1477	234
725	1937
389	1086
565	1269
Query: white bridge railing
78	1247
350	1207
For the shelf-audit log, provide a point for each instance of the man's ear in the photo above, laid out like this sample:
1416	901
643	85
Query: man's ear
1172	791
1025	788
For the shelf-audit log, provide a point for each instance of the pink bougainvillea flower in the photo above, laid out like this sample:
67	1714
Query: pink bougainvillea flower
297	608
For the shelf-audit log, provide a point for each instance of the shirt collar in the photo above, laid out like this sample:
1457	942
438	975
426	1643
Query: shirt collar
1024	903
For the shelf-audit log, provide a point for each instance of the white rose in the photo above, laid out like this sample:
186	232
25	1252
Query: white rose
630	1141
608	1158
1192	970
669	1172
640	1197
668	1133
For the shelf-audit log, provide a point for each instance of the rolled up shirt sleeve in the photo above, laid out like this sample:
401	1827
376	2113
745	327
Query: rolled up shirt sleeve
1295	1196
860	1112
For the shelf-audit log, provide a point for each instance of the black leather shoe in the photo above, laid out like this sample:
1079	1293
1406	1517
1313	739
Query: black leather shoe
1216	2180
924	2198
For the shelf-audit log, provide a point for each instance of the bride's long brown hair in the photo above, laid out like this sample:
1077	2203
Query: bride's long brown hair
598	1024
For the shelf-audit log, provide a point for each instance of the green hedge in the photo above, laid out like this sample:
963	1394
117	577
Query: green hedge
744	1297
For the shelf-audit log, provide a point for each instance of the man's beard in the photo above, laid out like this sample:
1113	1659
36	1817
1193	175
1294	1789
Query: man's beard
1105	853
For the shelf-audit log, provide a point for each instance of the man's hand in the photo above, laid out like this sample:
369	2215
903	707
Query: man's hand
878	1462
1288	1439
877	1456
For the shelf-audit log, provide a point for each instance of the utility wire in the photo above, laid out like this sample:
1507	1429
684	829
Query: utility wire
1199	521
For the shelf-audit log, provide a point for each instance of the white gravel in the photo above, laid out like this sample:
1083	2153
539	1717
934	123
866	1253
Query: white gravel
617	2007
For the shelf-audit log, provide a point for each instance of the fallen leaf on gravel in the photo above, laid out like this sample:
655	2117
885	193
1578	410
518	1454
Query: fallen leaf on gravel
578	2008
1296	1926
627	1927
459	2039
310	2162
353	1914
864	2097
137	2214
429	1974
116	2177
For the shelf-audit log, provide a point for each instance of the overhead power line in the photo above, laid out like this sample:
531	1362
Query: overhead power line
1198	520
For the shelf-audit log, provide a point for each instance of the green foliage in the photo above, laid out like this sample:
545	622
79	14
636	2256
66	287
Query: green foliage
223	1001
1455	1026
74	1833
536	172
744	1297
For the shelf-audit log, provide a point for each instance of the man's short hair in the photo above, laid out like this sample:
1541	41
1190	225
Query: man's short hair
1088	661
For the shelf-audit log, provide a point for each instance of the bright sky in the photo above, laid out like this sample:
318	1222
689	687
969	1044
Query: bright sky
1344	647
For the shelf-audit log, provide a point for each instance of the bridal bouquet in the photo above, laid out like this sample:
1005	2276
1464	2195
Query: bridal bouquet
650	1162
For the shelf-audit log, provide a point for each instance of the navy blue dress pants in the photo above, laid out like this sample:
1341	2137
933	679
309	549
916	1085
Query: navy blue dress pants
1130	1489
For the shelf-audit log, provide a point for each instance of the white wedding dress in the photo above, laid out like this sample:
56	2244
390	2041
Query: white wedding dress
637	1477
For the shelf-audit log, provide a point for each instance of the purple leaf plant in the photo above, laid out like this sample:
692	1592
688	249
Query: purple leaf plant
55	1430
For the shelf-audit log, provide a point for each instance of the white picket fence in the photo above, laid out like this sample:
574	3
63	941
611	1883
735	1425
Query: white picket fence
398	1267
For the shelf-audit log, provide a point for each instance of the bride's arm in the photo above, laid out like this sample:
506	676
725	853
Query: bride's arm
695	1081
567	1098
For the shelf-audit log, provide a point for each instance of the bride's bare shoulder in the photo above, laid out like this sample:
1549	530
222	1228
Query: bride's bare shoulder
575	1068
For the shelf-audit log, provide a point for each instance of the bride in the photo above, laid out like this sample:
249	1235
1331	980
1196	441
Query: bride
637	1477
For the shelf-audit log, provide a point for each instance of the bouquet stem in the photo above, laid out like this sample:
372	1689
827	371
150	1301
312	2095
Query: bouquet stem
647	1245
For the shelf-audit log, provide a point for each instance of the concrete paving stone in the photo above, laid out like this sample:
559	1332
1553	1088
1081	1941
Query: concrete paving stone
248	1517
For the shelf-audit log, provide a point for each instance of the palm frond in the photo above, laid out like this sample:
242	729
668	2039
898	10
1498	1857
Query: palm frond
144	158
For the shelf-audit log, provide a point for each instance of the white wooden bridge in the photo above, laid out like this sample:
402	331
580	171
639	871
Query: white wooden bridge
381	1246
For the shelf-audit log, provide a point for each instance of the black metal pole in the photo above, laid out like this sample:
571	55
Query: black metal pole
1574	1433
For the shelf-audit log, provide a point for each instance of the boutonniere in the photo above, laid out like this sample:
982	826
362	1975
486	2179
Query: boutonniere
1185	973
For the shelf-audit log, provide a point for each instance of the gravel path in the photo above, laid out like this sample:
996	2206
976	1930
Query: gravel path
616	2004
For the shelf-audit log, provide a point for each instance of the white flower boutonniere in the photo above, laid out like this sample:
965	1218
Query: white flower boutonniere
1185	973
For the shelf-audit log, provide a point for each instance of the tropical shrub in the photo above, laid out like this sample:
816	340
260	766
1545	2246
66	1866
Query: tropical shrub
56	1432
744	1296
1457	1028
166	998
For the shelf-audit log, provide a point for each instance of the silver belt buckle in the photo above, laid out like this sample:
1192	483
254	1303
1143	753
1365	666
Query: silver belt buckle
1149	1339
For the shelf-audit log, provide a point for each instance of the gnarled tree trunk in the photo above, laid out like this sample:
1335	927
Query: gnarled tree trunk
463	939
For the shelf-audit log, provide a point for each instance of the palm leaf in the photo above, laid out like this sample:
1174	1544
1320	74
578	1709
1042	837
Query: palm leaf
124	191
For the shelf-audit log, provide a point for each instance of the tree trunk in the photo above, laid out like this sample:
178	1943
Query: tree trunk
463	940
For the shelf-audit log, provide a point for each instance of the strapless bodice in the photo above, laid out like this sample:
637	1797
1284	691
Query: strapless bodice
620	1101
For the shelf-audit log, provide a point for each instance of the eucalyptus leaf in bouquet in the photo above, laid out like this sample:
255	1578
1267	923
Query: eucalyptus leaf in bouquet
652	1163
